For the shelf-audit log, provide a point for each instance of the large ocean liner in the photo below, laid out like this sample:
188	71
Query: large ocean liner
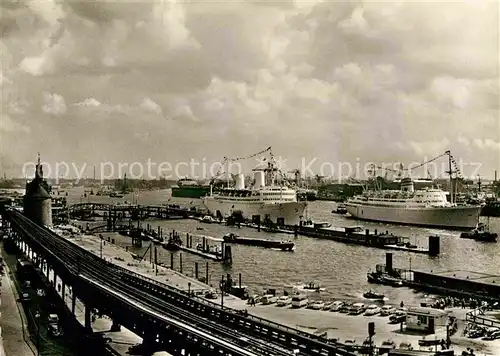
426	207
266	200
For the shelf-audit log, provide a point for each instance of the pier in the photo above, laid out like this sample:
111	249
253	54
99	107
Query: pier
203	249
115	212
350	235
460	283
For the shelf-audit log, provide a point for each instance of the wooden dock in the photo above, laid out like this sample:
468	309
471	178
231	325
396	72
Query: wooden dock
459	283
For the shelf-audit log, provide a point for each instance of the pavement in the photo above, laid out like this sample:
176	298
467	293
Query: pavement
15	336
121	257
345	327
336	325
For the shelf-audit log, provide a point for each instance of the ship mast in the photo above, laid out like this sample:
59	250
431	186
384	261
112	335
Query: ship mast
450	172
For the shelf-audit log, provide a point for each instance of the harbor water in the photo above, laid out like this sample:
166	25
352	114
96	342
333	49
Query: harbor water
340	268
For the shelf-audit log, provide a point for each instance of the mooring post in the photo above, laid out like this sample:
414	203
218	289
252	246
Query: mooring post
156	261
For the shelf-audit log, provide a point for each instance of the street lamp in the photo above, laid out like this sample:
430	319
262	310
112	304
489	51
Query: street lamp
222	284
37	321
100	236
189	289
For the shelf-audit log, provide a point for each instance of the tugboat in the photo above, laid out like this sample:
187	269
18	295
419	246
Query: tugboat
385	279
372	295
481	233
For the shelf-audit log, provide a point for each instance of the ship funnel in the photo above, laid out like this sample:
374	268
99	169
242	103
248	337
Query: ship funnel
259	180
240	182
407	185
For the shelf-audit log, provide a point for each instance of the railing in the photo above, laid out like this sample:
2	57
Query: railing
474	318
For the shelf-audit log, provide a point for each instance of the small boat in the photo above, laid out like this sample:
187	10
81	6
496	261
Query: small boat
173	244
199	228
373	295
341	209
481	233
207	219
312	287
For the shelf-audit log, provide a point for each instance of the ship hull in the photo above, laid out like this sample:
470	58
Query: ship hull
189	192
459	217
291	212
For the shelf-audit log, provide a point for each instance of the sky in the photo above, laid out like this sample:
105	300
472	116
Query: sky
324	82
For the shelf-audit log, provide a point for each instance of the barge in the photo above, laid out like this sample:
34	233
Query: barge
356	235
281	245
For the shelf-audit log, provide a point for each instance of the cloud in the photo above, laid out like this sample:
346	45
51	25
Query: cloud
390	81
487	144
9	126
149	105
54	104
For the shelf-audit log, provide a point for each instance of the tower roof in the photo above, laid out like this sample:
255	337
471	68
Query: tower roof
36	191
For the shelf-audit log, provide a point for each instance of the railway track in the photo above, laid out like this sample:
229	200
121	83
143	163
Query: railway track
94	268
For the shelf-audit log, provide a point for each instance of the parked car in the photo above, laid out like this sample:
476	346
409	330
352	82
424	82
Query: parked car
298	301
336	305
211	294
284	300
373	309
350	345
387	345
387	310
25	297
344	308
318	305
398	317
357	308
493	335
268	299
405	346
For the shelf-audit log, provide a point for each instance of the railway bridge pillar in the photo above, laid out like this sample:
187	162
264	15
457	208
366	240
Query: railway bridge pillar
115	326
88	318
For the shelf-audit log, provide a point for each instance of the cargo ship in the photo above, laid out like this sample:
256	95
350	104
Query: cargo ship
189	188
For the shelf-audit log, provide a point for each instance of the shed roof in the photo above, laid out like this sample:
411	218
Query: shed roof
427	311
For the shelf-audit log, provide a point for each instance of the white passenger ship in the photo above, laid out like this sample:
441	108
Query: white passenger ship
265	200
428	207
